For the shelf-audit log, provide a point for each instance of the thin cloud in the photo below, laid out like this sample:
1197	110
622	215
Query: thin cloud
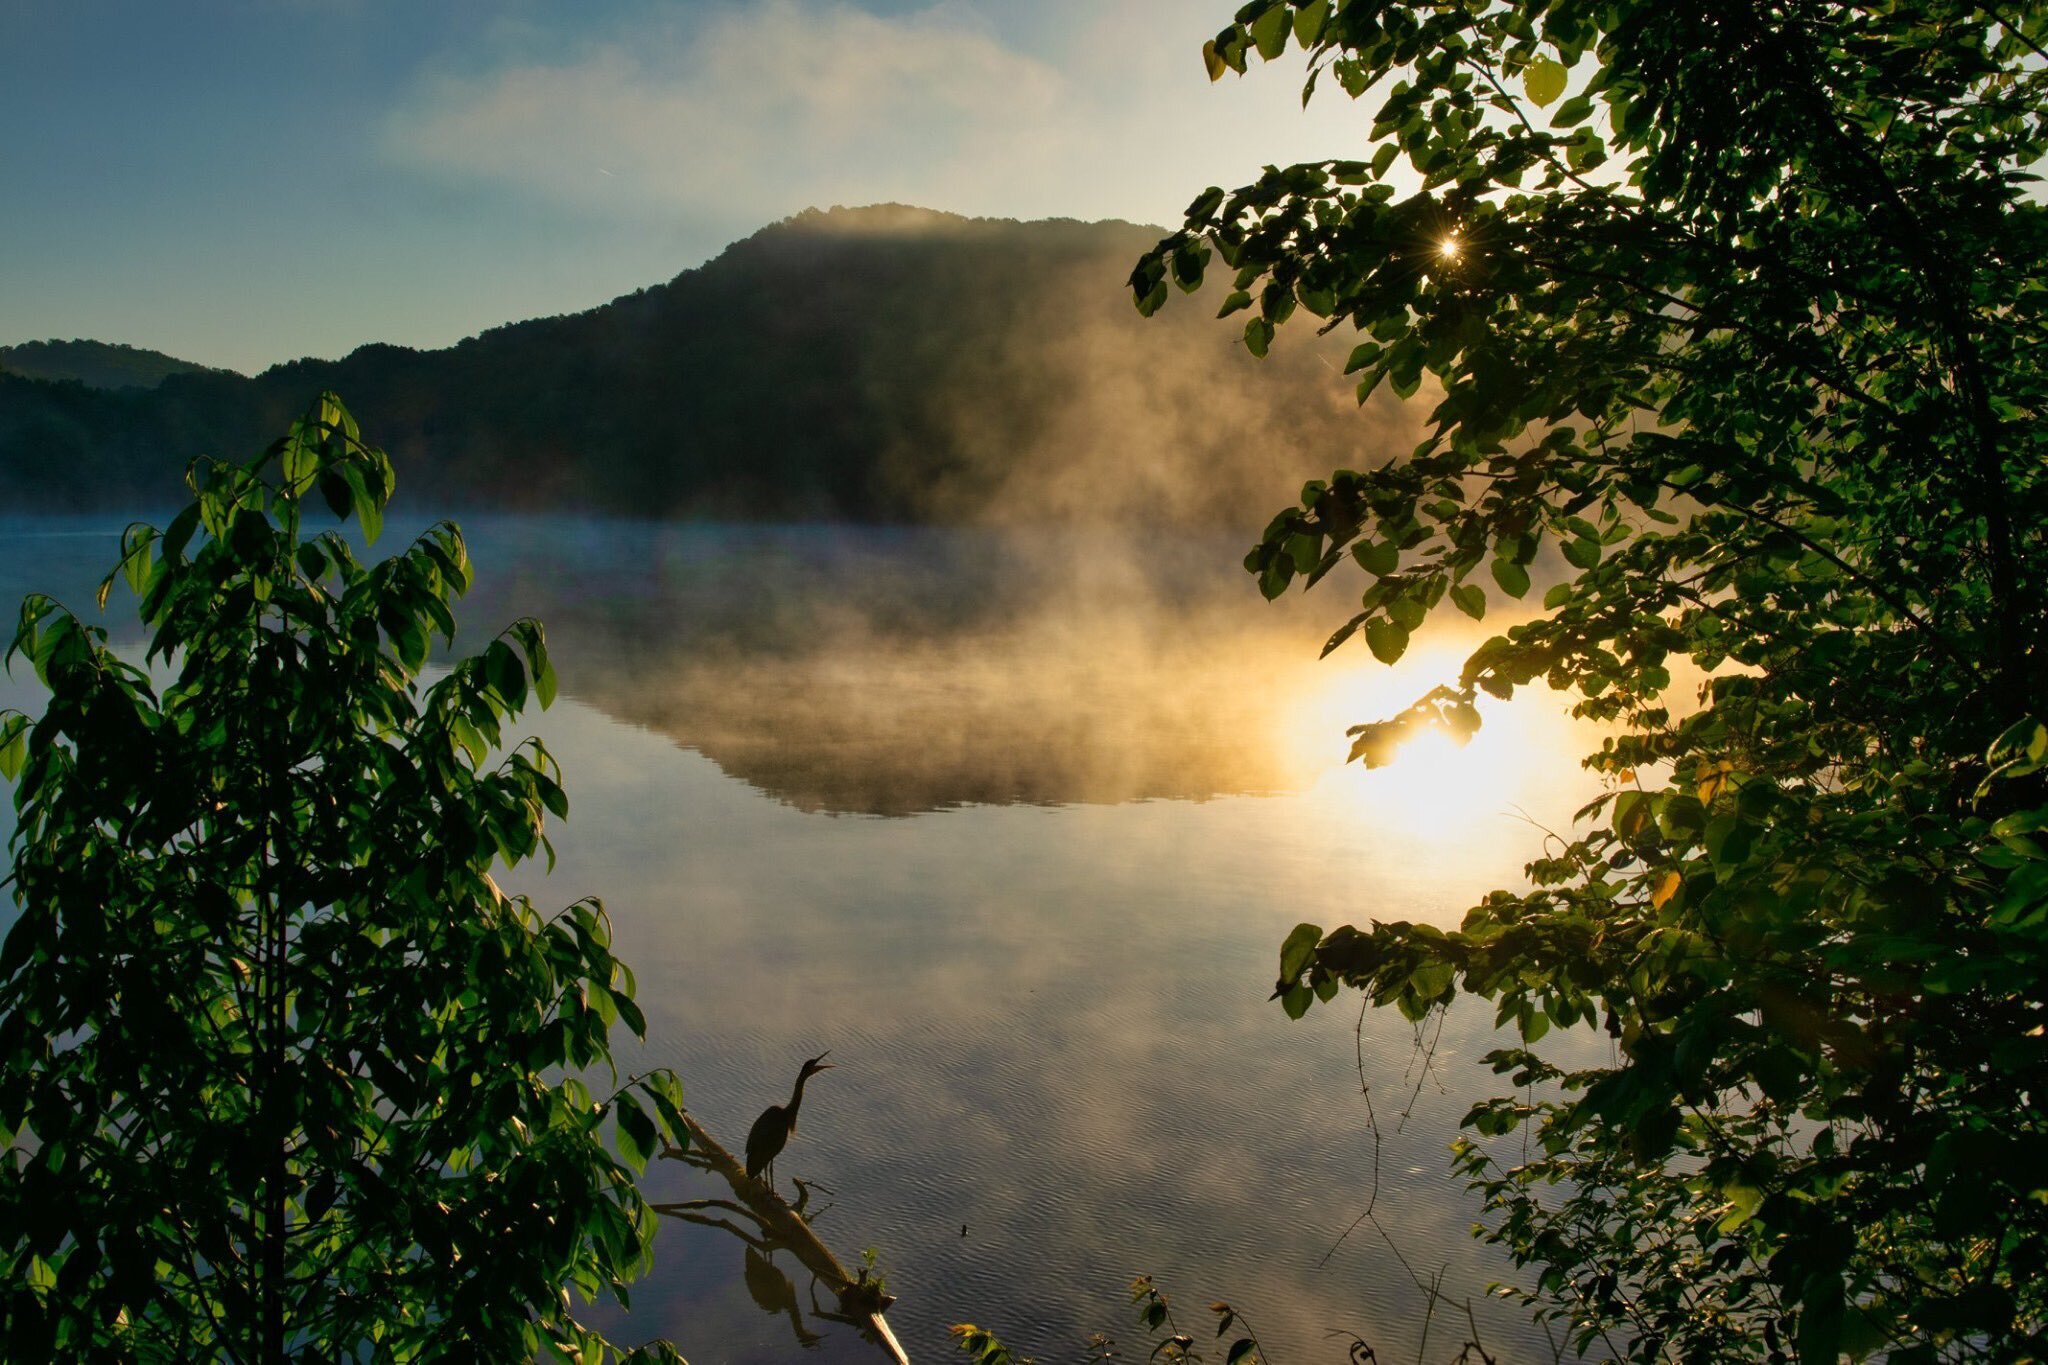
751	114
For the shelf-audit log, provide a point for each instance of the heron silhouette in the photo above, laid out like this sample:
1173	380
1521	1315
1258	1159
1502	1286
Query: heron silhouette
772	1131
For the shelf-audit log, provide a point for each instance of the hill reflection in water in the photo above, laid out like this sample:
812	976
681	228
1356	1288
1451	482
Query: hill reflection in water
890	672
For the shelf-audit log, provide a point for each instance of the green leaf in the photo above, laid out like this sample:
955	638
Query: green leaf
1343	633
1305	551
504	673
665	1089
1728	840
637	1139
1213	61
179	533
335	491
1573	111
1544	80
1377	558
13	743
1469	598
1743	1203
1388	640
1582	554
533	640
136	563
1269	31
1632	813
1298	949
362	500
300	463
1512	577
1308	25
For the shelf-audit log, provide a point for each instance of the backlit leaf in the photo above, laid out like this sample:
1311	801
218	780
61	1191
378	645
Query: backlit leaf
1388	640
1544	80
1269	31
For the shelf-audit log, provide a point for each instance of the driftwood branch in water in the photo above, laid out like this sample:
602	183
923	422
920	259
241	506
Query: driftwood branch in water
858	1297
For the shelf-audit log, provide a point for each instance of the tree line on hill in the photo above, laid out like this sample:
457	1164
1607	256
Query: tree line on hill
877	364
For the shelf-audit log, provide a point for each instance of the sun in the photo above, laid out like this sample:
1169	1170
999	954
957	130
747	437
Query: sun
1438	789
1524	760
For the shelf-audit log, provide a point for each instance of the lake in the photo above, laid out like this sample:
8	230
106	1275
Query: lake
1014	825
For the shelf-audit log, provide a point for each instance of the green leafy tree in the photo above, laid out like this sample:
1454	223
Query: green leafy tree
1731	316
286	1074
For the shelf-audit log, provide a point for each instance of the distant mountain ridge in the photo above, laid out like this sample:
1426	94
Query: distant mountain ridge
879	364
96	364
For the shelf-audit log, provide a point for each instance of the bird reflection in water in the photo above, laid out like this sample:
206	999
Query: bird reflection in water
768	1285
775	1294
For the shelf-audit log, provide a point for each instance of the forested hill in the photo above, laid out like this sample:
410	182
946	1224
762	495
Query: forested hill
96	364
883	363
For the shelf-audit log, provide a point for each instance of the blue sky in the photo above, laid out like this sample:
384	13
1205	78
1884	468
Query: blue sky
243	182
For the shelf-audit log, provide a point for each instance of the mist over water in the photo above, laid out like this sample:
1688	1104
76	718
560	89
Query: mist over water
1013	821
889	672
892	673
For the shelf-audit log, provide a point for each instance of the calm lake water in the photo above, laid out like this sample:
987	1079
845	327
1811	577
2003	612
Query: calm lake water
1014	825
